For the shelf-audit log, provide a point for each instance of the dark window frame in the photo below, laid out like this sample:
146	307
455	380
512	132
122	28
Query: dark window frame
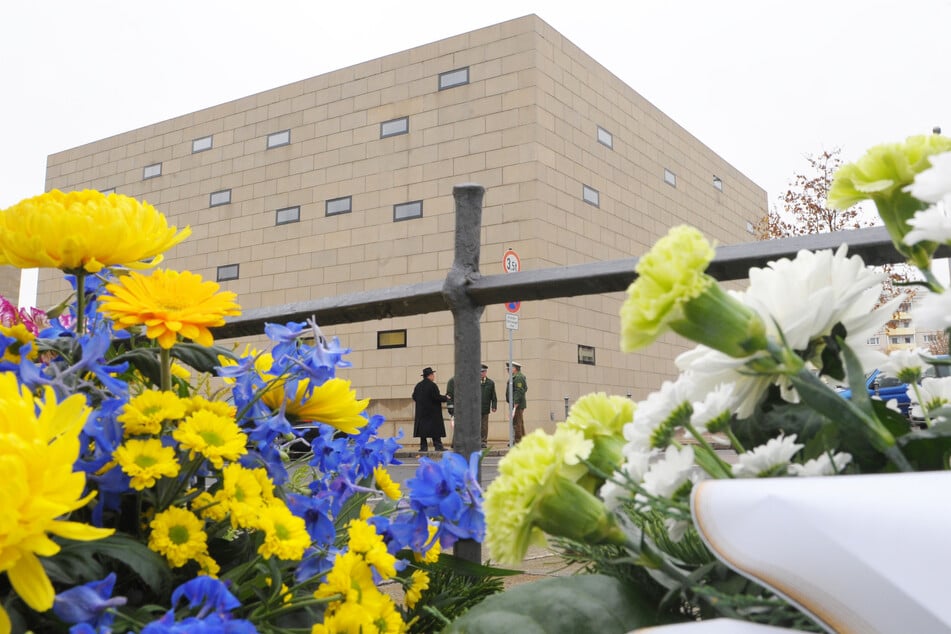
327	203
227	268
277	215
583	358
448	73
381	346
386	135
407	204
271	146
211	198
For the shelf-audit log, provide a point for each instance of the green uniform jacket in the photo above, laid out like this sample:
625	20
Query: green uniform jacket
489	399
519	386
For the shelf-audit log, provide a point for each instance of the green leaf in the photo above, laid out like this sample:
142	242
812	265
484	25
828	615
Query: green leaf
202	358
147	564
472	569
582	603
145	360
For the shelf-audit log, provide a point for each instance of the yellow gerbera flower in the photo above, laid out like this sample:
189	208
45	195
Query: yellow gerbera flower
169	303
332	403
385	483
145	413
84	230
179	536
39	443
285	534
417	582
217	438
145	461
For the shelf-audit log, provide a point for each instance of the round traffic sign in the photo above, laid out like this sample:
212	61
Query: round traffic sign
510	262
513	307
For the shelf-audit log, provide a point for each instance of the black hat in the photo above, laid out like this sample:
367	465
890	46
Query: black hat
484	368
427	371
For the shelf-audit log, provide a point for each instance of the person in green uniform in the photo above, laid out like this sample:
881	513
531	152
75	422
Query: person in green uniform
519	386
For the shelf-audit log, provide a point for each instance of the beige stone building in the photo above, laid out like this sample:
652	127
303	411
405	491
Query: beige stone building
10	283
343	183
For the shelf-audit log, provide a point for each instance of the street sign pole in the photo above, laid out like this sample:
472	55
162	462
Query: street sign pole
511	263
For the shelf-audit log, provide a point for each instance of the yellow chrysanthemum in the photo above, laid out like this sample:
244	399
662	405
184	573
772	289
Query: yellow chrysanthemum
20	335
386	484
169	304
179	371
431	555
84	230
207	507
147	412
285	534
332	403
179	536
198	403
349	574
145	461
365	541
416	584
242	495
39	443
215	437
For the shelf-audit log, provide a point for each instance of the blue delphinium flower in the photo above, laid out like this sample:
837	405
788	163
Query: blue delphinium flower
449	492
89	603
214	603
316	515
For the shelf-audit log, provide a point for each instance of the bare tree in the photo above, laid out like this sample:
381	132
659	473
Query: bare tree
805	211
939	343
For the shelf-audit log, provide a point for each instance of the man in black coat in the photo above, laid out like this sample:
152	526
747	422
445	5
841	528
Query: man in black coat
428	422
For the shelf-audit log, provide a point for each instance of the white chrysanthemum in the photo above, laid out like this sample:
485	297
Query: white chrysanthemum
615	491
933	312
802	299
934	183
659	410
907	365
807	296
935	393
669	473
676	529
770	459
716	404
821	466
933	224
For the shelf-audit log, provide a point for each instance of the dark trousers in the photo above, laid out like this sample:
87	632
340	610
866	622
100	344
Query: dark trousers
424	446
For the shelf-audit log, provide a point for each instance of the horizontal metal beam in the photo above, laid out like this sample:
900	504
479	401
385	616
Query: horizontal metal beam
732	262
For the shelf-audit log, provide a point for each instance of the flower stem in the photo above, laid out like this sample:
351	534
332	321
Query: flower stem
165	367
717	463
80	302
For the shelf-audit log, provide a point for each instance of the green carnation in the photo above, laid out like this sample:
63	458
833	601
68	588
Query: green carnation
671	274
673	291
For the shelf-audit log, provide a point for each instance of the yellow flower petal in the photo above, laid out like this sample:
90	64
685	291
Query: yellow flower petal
30	582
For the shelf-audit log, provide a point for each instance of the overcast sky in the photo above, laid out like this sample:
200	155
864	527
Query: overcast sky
762	83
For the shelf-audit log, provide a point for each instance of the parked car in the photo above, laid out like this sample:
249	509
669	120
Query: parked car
887	386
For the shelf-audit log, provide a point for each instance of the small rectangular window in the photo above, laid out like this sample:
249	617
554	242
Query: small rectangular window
591	196
718	183
278	139
287	215
390	339
407	211
394	127
202	144
605	137
222	197
227	272
873	341
586	355
151	171
670	178
336	206
110	190
453	78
